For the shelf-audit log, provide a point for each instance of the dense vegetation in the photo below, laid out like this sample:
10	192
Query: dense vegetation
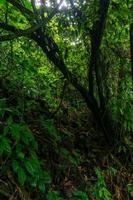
66	102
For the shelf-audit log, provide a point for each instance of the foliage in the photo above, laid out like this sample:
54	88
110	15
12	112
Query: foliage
79	195
130	189
18	150
59	61
53	195
100	189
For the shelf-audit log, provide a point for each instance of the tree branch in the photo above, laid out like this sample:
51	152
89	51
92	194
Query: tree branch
15	32
9	28
19	32
42	9
51	49
4	38
35	11
33	5
96	38
26	12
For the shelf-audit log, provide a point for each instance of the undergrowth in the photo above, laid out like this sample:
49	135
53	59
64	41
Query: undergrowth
45	156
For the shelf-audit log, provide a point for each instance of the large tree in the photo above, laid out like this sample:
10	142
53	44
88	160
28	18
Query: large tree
88	19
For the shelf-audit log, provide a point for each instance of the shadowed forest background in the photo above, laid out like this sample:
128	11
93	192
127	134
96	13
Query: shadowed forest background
66	99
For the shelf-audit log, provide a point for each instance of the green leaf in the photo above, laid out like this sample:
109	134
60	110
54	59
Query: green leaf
2	107
41	186
129	188
27	4
9	121
80	195
53	195
27	137
73	160
6	130
15	166
33	181
21	176
53	133
5	145
21	155
16	131
30	166
45	176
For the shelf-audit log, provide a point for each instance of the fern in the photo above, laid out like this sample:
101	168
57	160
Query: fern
18	143
100	190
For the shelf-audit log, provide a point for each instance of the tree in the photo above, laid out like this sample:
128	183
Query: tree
36	20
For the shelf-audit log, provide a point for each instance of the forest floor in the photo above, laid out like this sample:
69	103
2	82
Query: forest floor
91	152
82	159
